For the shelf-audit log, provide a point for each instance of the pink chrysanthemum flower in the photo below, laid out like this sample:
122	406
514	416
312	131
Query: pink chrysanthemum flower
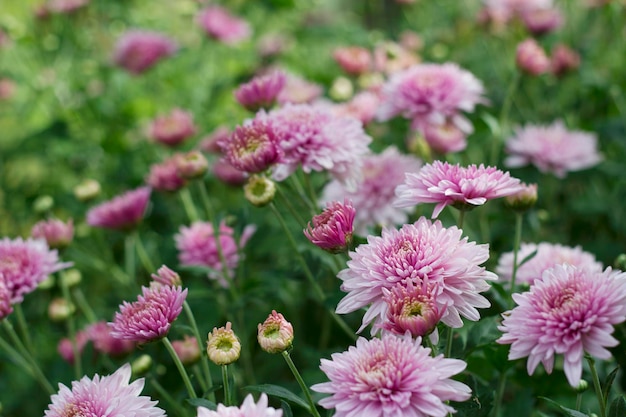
164	176
6	307
248	409
552	148
104	342
110	395
166	276
151	316
531	58
219	24
25	263
173	128
57	233
548	255
122	212
416	252
569	311
262	91
137	50
372	199
314	138
391	376
332	229
432	94
461	187
297	90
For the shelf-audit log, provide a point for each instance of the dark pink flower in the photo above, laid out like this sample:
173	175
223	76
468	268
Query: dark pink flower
564	59
332	229
173	128
137	50
122	212
353	60
248	409
261	92
531	58
219	24
165	176
166	276
104	342
57	233
6	306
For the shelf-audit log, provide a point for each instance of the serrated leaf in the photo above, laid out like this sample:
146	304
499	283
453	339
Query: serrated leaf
609	383
202	402
568	411
618	407
278	391
286	408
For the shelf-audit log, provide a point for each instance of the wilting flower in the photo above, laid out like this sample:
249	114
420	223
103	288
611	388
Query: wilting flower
26	263
248	409
569	311
104	342
552	149
461	187
187	350
417	252
332	229
137	50
275	335
548	255
151	316
164	176
297	90
372	199
261	92
219	24
391	376
107	395
122	212
223	346
173	128
354	60
531	58
165	276
57	233
66	346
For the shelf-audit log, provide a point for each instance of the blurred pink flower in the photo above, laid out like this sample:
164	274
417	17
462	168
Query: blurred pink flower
173	128
122	212
552	148
417	252
66	348
444	138
57	233
164	176
362	106
262	91
104	342
7	88
107	395
541	21
65	6
563	60
297	90
191	165
187	350
461	187
151	316
332	229
569	311
225	172
392	57
209	143
531	58
354	60
248	409
391	376
219	24
137	50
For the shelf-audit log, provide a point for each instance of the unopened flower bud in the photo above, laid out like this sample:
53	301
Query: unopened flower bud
223	346
531	58
332	229
582	386
47	283
275	335
259	190
60	309
70	277
141	365
191	165
187	350
57	233
87	190
166	276
43	204
341	89
620	262
522	200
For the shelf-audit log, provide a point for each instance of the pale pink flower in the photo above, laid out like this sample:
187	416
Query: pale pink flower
164	176
248	409
110	395
522	200
104	342
297	90
552	148
275	334
362	106
261	92
187	350
122	212
354	60
66	348
548	255
332	229
220	24
417	252
391	376
444	138
372	199
137	50
507	9
173	128
26	263
541	21
151	316
57	233
461	187
392	57
191	165
569	311
531	58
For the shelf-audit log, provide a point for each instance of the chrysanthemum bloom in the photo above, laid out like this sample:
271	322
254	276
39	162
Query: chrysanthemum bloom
187	350
66	348
548	255
354	60
432	94
531	58
419	251
552	148
197	246
542	21
372	199
57	233
6	306
173	128
444	138
26	263
191	165
391	376
297	90
564	59
259	190
100	334
523	199
275	335
317	140
362	106
461	187
223	346
569	311
110	395
219	24
122	212
248	409
151	316
164	176
261	92
165	276
332	229
137	50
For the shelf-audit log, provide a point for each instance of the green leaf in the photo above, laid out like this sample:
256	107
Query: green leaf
609	383
527	258
280	392
286	409
202	402
567	411
618	407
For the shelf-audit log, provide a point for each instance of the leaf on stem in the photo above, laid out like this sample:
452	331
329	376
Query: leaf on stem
278	391
568	411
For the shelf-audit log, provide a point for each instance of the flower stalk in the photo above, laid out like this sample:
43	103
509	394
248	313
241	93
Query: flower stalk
303	386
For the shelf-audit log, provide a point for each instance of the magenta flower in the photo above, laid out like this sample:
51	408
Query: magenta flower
57	233
417	252
461	187
248	409
151	316
225	172
165	176
552	149
104	342
173	128
531	58
372	199
391	376
548	255
110	395
122	212
166	276
261	92
25	263
137	50
219	24
332	229
6	306
569	311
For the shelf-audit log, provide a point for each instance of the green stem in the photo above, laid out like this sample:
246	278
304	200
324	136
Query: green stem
303	386
579	401
206	202
461	219
188	205
596	385
143	254
227	389
516	245
499	394
181	368
449	342
23	328
198	373
84	305
129	257
71	329
203	358
496	142
24	364
165	395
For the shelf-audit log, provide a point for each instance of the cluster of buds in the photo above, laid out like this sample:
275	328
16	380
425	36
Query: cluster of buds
532	59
